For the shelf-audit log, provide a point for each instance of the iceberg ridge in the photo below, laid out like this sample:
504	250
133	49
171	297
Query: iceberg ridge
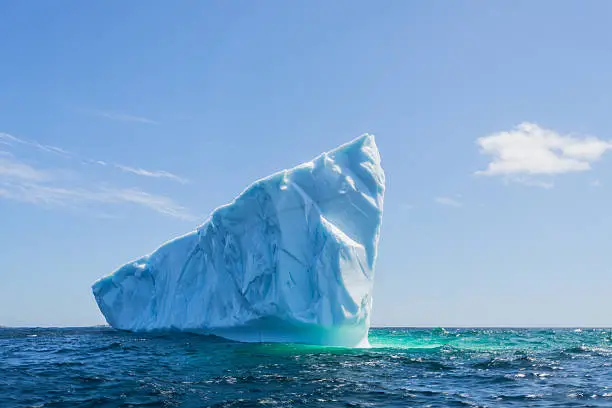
291	259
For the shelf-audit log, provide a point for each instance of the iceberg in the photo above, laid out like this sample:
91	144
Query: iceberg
291	259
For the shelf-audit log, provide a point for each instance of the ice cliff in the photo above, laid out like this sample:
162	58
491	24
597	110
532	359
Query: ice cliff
291	259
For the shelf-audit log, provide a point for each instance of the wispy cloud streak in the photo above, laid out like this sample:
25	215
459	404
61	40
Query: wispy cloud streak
22	181
450	202
41	194
148	173
9	139
11	169
123	117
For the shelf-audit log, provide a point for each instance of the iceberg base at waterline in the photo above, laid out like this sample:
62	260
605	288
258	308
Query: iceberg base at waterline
291	259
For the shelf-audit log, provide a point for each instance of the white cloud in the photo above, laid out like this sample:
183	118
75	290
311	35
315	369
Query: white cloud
529	149
123	117
448	202
14	140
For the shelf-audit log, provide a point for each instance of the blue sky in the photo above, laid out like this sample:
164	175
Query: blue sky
123	124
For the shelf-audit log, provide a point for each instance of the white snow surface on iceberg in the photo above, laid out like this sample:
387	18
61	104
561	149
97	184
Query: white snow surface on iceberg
291	259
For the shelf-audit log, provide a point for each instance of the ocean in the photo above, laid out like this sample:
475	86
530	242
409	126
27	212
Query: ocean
101	367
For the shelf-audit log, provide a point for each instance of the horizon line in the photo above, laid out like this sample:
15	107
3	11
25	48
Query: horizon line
372	327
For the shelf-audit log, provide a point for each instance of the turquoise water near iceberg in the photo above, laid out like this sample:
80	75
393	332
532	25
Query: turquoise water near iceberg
102	367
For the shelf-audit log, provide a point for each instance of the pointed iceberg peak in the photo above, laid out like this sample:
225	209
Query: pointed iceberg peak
291	259
365	142
362	158
364	139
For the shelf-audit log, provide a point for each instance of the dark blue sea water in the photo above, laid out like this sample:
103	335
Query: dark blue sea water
101	367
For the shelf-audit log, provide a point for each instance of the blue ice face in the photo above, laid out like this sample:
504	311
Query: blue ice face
290	259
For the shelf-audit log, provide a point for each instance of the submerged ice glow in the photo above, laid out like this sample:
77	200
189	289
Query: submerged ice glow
291	259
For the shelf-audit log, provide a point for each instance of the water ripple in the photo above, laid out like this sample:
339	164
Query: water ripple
100	367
